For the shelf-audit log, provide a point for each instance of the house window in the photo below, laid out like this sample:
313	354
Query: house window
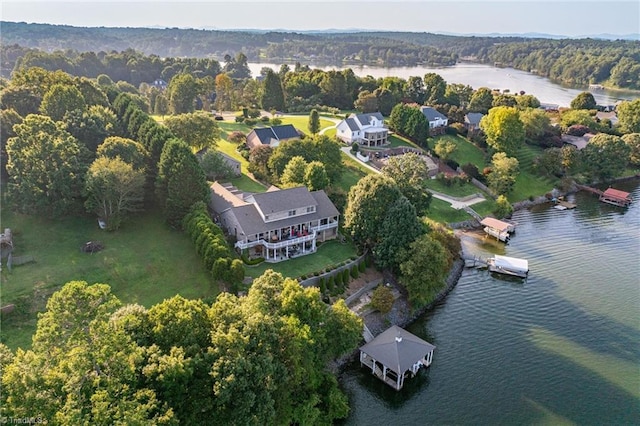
292	213
311	209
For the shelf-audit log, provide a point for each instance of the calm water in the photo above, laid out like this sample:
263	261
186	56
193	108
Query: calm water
562	346
478	75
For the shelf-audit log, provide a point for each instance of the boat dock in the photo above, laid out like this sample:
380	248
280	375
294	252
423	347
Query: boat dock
610	196
498	228
564	205
509	266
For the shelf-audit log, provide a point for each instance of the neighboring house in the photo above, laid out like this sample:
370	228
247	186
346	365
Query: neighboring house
472	121
366	129
578	141
437	122
234	164
271	136
549	107
278	224
159	84
611	116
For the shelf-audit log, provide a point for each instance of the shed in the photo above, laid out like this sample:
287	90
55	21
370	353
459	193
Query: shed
395	354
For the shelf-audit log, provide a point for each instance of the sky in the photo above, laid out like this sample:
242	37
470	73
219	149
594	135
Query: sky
565	17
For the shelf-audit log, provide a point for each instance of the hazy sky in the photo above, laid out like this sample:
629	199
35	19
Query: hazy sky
568	17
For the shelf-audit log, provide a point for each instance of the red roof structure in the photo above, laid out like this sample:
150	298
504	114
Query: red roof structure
616	197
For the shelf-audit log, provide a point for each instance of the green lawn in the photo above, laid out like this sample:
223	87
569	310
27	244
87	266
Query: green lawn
397	140
352	172
329	253
466	151
453	190
441	211
301	122
144	262
529	183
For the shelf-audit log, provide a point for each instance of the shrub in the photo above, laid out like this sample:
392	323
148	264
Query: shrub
577	130
471	170
382	299
361	266
304	277
459	128
345	276
239	119
354	272
250	121
453	164
338	280
322	286
264	119
276	121
237	137
253	113
331	283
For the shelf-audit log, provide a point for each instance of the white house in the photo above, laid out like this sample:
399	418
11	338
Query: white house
366	129
437	122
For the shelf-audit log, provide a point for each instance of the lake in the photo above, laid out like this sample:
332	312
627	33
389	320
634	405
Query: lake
479	75
564	346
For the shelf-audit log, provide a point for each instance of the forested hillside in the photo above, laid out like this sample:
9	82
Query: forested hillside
585	61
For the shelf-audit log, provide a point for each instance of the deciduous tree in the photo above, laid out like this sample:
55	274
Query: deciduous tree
60	99
629	116
114	189
633	142
424	269
46	167
504	171
182	91
504	130
399	228
198	129
605	156
272	94
409	171
314	121
584	100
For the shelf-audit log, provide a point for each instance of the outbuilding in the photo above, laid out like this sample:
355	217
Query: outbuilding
396	354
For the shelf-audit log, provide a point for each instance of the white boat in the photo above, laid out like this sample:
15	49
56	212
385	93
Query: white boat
509	266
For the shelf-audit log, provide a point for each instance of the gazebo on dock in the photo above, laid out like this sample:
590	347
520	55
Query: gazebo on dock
616	197
395	354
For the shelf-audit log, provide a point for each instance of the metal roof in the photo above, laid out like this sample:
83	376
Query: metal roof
431	114
397	349
285	131
495	224
616	193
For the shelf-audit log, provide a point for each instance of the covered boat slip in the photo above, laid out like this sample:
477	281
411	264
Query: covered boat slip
616	197
498	228
396	354
509	266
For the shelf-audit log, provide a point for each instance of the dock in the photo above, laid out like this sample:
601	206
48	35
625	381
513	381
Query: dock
498	228
564	205
611	196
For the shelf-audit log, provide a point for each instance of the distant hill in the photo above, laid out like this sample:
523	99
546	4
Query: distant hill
573	61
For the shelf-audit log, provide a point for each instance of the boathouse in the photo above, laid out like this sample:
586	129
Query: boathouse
509	266
396	354
616	197
497	228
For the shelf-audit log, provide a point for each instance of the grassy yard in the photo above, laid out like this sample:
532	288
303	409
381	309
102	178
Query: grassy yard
329	253
301	122
144	262
397	140
466	152
453	190
352	172
529	183
441	211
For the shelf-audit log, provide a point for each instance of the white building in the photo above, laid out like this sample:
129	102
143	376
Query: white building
366	129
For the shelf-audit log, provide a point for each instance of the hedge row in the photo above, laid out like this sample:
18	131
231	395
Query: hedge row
211	245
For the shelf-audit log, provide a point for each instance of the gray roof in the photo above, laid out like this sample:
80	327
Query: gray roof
285	131
366	118
473	117
431	113
284	200
353	126
229	158
397	349
251	222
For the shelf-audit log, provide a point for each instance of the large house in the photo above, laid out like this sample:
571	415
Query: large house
437	122
271	136
365	129
277	224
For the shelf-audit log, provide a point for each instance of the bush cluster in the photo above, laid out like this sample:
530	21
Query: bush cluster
211	246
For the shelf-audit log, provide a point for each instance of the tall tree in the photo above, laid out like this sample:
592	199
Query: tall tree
224	93
400	227
629	116
605	156
315	176
504	130
127	150
414	90
114	189
181	181
633	142
183	90
60	99
293	174
314	121
424	269
435	87
272	94
198	129
481	100
46	167
409	171
504	171
367	205
535	122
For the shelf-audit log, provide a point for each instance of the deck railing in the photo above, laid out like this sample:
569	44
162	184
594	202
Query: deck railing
276	244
